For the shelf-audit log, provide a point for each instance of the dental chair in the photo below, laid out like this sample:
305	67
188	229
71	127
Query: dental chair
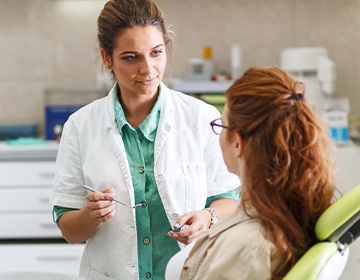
336	229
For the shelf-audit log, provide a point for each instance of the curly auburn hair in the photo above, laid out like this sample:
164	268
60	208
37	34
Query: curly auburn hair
288	179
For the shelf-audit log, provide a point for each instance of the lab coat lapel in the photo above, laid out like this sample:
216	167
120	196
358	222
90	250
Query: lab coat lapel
117	144
166	123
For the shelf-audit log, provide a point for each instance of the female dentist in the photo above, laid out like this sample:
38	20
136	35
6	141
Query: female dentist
144	145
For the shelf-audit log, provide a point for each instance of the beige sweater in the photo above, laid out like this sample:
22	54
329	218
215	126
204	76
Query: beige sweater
235	248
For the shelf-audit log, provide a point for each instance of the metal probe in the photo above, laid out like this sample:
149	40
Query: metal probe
142	204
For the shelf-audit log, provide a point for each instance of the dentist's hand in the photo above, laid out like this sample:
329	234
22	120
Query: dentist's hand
194	223
101	205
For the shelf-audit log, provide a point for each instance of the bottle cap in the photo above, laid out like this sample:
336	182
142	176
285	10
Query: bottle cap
207	52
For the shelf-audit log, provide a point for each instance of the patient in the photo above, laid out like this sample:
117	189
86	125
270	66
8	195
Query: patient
274	141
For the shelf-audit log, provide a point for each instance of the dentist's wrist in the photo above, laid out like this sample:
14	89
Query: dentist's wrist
214	218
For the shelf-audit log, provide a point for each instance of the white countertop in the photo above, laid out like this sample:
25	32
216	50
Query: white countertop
46	150
36	276
200	86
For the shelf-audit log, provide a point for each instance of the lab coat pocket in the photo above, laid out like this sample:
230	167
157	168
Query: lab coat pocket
195	186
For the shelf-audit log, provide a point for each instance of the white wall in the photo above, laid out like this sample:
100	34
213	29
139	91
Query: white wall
52	43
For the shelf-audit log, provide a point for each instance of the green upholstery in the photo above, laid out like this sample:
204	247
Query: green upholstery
312	262
338	213
332	224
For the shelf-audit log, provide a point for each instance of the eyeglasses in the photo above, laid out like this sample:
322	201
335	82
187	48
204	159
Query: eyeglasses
217	126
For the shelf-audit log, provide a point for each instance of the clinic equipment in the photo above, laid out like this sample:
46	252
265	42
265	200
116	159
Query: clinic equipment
312	66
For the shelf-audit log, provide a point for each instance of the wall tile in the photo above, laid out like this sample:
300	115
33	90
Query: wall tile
53	43
25	41
22	102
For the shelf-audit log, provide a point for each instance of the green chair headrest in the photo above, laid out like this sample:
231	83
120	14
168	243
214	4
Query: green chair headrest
339	216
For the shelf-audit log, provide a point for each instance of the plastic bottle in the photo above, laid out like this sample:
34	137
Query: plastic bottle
236	61
208	68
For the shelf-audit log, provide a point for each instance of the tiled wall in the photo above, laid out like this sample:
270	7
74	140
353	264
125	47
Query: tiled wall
52	43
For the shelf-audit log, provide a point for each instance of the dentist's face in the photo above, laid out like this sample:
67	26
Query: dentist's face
138	60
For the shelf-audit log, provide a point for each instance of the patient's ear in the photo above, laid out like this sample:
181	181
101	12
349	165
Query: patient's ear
238	145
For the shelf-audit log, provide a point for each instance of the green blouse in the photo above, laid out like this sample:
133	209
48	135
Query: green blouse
155	248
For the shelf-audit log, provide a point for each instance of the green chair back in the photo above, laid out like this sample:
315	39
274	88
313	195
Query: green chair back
336	222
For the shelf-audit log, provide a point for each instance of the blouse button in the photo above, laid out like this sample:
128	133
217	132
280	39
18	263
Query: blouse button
141	170
146	241
148	275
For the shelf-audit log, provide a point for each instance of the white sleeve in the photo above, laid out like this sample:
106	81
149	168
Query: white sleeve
219	179
67	188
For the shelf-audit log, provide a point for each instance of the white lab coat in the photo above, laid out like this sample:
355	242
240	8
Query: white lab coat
188	168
